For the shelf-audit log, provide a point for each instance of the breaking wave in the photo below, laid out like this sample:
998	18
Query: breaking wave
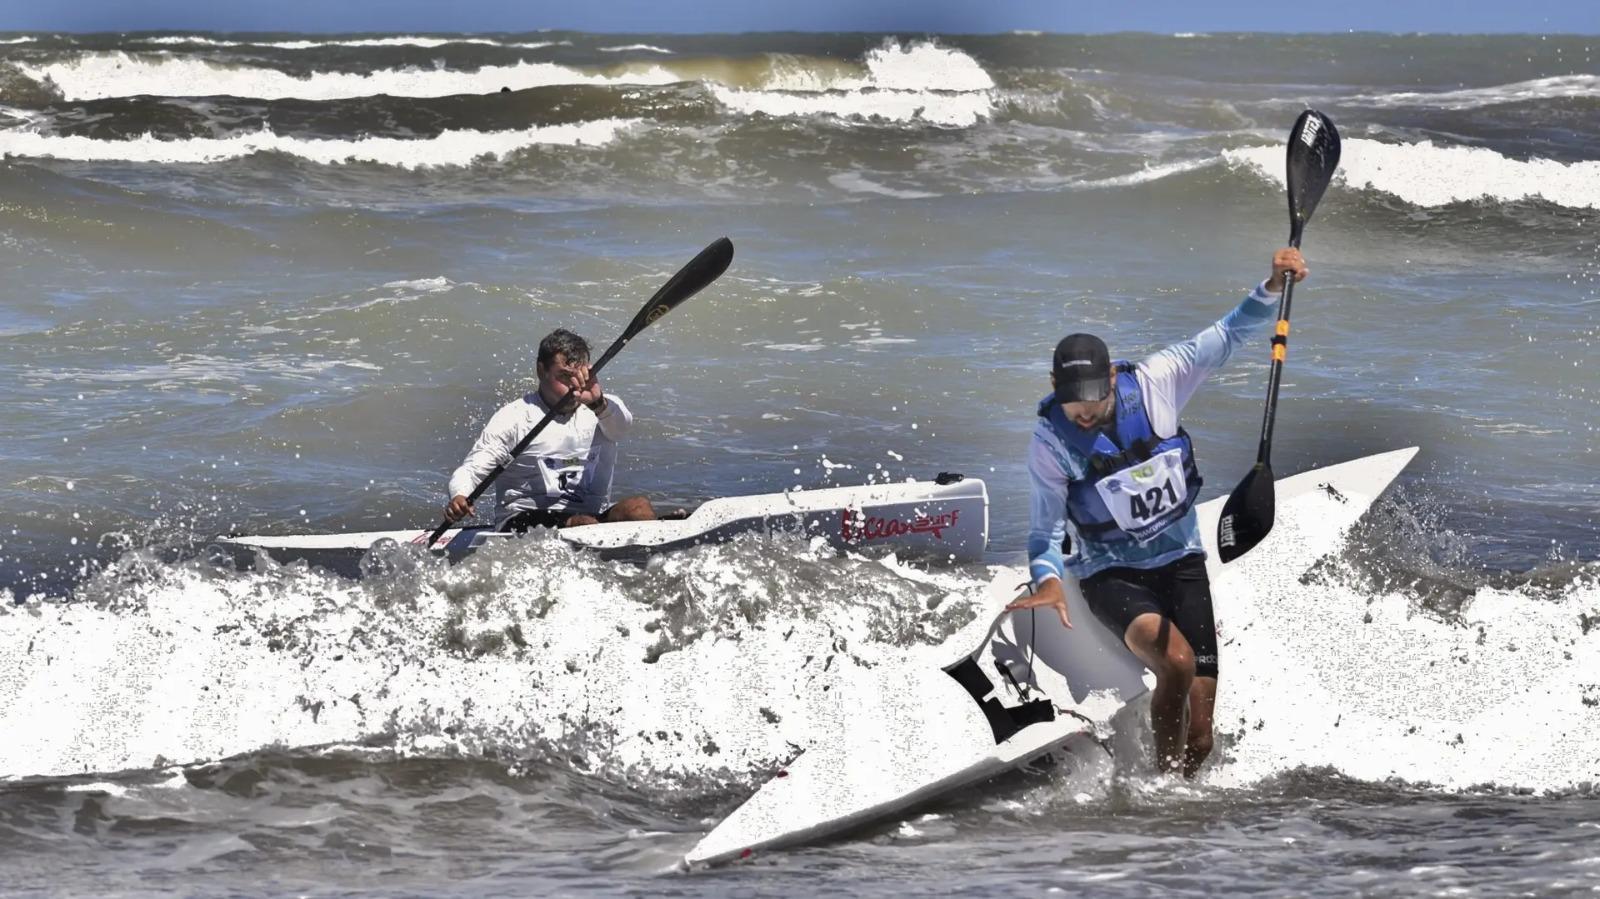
1426	174
450	148
918	67
1561	87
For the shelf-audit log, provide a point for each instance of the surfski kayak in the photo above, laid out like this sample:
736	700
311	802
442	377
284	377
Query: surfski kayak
1011	689
945	521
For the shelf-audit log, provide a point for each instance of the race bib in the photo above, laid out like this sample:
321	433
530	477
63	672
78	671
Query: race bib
563	476
1145	499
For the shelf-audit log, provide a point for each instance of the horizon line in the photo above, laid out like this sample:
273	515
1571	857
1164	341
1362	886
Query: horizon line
1011	32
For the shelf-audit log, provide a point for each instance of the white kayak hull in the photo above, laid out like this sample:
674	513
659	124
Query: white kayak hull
947	522
970	710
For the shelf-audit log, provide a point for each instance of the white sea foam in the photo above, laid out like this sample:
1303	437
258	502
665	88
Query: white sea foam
917	82
1373	688
913	82
95	76
18	40
23	117
1428	175
399	292
422	285
201	371
292	660
449	148
1322	671
1422	174
1148	174
627	47
914	70
110	789
922	65
953	110
857	183
396	41
722	659
1559	87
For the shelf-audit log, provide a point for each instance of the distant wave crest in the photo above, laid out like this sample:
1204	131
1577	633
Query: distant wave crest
1425	174
920	81
451	148
1562	87
97	76
397	41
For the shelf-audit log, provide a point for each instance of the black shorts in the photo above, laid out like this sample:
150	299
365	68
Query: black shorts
1179	591
528	519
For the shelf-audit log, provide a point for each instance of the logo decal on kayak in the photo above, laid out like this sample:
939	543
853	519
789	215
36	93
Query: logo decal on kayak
855	527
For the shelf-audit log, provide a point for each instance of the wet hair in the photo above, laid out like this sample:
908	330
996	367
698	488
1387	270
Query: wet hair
562	342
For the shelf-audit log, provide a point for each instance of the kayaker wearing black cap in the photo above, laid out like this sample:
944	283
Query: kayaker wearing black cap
1114	485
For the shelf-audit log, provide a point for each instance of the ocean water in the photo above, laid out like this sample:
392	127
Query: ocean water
275	284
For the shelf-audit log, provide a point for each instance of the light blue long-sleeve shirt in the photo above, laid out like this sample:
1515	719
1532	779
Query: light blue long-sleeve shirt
1168	379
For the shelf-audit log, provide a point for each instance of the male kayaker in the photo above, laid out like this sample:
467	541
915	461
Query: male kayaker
563	478
1112	468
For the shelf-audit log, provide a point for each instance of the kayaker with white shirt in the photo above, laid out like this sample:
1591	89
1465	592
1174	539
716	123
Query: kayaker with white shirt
563	478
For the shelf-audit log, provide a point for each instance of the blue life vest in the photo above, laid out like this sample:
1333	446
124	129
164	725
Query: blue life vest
1133	442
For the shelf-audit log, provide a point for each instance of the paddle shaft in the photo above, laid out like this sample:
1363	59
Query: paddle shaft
1280	352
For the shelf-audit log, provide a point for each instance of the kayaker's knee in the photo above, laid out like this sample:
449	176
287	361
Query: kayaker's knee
633	508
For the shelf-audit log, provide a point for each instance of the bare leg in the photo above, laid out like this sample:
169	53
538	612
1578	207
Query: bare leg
634	508
1202	700
1163	650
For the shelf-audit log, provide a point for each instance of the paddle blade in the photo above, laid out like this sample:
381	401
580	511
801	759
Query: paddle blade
1247	516
1313	157
690	280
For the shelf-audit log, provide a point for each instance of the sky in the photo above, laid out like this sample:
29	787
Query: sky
695	16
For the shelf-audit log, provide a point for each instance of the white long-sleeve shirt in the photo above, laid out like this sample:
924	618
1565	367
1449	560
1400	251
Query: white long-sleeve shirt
1168	379
567	468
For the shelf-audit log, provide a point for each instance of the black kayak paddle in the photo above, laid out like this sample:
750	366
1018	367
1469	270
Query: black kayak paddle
690	280
1313	156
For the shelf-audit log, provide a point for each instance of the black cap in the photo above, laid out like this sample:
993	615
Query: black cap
1082	368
